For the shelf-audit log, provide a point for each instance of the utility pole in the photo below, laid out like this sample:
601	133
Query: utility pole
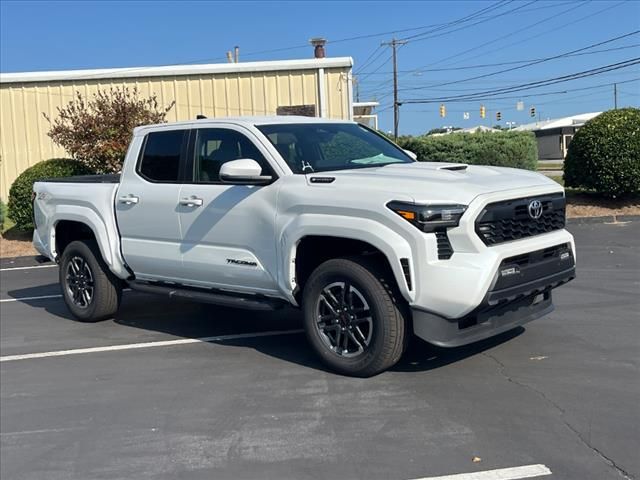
396	105
615	96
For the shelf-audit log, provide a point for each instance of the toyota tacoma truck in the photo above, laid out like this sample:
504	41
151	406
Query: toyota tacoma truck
326	216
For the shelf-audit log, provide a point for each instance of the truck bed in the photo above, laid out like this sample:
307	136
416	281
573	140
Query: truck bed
89	199
106	178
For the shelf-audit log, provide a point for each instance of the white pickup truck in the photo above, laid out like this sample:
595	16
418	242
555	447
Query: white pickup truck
327	216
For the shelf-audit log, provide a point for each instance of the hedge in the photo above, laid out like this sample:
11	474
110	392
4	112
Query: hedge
20	208
604	154
504	149
3	215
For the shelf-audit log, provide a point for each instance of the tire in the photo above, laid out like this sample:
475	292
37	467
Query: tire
104	289
386	326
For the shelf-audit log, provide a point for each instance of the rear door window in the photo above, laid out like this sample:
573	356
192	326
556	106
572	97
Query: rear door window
160	160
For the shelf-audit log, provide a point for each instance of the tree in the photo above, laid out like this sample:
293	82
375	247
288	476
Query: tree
97	131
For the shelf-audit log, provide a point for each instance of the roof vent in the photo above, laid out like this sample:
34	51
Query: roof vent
318	44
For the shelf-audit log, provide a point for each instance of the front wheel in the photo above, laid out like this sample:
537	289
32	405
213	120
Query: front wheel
354	318
91	292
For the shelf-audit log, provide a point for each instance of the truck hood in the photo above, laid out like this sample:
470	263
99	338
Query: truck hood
437	181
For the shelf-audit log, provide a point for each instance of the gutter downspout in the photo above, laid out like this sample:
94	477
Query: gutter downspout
322	94
350	93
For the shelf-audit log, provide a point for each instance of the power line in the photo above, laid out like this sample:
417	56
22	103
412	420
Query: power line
535	62
464	19
368	61
513	62
531	85
564	26
442	26
482	20
531	26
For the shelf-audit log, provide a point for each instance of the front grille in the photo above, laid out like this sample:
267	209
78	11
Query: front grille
509	220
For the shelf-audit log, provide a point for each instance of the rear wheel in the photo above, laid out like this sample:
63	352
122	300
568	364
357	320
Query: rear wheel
91	292
353	317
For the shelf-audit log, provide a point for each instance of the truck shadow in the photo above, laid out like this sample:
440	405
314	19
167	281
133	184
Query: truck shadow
176	318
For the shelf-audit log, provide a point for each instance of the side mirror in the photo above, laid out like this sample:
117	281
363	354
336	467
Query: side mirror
244	171
411	154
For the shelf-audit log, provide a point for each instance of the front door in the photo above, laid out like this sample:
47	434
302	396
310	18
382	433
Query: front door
228	231
147	207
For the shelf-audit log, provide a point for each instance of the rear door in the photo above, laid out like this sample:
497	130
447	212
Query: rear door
147	206
228	231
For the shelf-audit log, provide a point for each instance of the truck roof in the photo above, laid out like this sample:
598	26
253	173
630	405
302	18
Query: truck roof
246	121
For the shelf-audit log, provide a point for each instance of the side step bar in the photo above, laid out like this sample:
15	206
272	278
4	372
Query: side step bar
215	297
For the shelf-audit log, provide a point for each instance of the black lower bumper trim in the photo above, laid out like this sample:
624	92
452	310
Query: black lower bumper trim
500	311
539	285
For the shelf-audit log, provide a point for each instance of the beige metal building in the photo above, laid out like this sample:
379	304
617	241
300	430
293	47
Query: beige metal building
318	86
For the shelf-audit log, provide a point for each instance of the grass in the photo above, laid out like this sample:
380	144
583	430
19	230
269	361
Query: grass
557	179
8	225
551	166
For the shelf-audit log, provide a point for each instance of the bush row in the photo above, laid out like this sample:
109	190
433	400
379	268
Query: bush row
504	149
604	154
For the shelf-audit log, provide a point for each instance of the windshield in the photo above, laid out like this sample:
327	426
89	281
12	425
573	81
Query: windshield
321	147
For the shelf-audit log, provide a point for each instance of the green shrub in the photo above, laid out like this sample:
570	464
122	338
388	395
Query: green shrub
604	155
504	149
3	215
20	208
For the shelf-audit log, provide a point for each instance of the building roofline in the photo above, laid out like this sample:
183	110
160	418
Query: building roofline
365	104
175	70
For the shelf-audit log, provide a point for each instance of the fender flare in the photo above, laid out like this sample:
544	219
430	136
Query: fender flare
107	243
391	244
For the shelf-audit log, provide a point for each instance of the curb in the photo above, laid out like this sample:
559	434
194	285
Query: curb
603	219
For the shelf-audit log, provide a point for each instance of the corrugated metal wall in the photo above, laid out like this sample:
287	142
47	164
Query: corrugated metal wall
23	128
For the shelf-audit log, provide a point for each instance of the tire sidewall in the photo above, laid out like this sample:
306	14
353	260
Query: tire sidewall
366	284
83	250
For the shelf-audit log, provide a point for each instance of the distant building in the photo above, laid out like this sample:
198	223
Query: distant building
363	113
319	87
554	136
476	129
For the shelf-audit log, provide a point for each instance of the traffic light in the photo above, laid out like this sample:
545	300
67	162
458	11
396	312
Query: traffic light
532	111
498	116
483	111
443	110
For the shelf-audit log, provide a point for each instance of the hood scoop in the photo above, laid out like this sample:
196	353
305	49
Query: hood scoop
453	167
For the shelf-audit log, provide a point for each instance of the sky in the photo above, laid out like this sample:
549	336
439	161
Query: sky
449	44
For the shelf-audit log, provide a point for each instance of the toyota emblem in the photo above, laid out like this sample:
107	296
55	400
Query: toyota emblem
535	209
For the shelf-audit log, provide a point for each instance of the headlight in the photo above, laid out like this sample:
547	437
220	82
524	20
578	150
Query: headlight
429	218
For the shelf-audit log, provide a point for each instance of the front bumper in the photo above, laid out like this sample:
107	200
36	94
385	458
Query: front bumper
501	310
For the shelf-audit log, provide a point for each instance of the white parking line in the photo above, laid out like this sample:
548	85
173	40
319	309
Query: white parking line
513	473
41	297
132	346
28	268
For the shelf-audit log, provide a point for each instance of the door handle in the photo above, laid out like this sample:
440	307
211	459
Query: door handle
191	201
129	199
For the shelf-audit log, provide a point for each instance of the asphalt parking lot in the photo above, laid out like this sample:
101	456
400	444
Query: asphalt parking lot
153	401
